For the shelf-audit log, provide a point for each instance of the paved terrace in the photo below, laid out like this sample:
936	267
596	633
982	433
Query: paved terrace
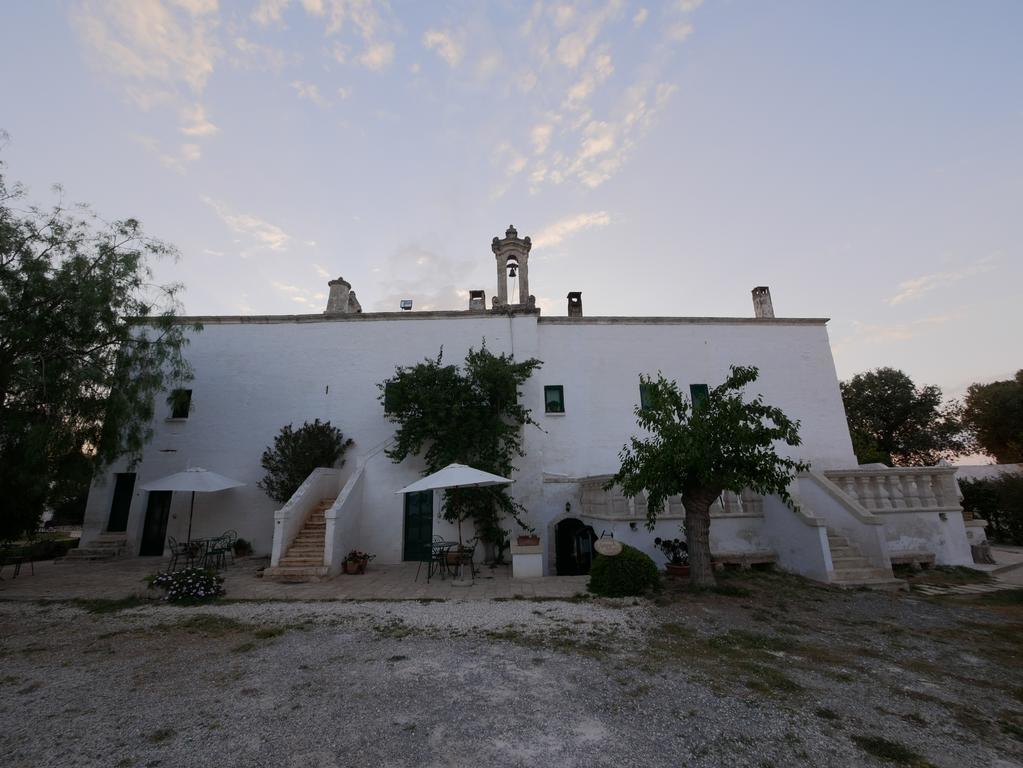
116	579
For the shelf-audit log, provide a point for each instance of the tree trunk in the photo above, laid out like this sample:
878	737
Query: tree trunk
697	504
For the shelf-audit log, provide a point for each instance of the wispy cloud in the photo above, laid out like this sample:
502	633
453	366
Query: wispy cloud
557	232
430	279
264	234
377	56
194	121
446	44
881	333
309	92
919	286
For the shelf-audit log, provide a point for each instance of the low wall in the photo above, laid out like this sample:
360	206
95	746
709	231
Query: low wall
343	519
799	540
942	533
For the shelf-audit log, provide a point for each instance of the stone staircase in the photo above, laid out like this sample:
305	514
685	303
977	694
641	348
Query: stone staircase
852	569
304	559
106	546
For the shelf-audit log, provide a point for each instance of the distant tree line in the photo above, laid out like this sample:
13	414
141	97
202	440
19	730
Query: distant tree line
893	421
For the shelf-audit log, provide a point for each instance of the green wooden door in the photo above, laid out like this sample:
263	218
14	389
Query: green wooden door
418	524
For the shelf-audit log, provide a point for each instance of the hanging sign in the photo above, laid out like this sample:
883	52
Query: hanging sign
608	547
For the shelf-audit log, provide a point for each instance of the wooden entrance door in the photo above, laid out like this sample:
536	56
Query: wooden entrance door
418	524
154	531
124	487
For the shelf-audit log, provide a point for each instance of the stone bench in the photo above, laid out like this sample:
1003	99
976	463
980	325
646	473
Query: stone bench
915	560
744	560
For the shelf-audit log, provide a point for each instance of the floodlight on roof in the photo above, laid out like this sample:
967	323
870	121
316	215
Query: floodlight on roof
406	304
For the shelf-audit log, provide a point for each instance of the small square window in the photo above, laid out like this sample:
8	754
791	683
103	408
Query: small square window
554	399
646	394
700	393
180	402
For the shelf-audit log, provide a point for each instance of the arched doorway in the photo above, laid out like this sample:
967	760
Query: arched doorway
573	547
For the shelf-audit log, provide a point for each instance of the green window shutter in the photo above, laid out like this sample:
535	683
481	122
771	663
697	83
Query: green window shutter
699	393
646	392
554	399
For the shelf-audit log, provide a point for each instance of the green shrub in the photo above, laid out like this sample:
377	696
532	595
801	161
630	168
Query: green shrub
625	575
296	453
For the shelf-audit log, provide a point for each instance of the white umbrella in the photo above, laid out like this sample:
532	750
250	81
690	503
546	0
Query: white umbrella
196	480
455	476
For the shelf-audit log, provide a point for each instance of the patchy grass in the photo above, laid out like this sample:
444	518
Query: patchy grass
160	735
890	751
943	575
1009	597
105	606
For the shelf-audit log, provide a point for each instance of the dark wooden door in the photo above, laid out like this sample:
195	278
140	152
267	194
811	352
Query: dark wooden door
418	524
154	532
124	487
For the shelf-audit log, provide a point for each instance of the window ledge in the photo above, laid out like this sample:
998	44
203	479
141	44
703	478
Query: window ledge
177	419
554	413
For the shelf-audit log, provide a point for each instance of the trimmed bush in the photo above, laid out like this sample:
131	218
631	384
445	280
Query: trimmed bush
628	574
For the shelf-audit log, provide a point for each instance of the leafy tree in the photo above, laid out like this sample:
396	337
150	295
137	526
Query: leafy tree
894	422
469	415
86	344
296	453
700	450
994	414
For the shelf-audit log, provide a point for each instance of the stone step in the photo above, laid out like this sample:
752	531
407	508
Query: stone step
881	582
304	551
301	573
854	574
853	561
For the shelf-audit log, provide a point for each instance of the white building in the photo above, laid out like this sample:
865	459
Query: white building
254	374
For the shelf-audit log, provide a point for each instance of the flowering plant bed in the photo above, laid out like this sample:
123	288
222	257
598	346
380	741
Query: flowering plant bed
192	585
677	552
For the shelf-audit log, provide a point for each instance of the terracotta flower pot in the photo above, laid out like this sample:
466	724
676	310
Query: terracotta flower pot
529	541
354	566
677	571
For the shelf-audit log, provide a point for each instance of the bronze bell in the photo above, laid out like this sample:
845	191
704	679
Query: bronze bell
511	270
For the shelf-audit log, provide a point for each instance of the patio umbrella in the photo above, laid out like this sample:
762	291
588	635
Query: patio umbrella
456	476
196	480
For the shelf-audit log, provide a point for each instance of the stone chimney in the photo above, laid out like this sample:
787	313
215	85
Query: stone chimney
341	300
477	300
575	304
762	306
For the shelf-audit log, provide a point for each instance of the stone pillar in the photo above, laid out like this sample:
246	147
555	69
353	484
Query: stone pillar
337	301
511	248
762	306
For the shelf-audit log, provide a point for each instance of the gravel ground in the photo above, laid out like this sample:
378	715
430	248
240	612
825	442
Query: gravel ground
778	673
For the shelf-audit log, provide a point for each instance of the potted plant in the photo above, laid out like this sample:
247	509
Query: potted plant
529	538
677	553
356	561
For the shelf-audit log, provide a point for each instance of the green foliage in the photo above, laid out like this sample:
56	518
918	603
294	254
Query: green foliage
86	343
627	574
722	443
296	453
894	422
998	500
469	415
994	414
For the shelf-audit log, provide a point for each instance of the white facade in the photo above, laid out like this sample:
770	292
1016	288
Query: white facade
254	375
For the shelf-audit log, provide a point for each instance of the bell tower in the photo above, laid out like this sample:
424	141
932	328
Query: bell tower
512	255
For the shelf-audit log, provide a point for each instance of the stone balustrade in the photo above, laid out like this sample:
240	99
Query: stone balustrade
900	489
615	505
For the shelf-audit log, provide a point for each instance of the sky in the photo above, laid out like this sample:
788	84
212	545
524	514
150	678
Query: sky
864	159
